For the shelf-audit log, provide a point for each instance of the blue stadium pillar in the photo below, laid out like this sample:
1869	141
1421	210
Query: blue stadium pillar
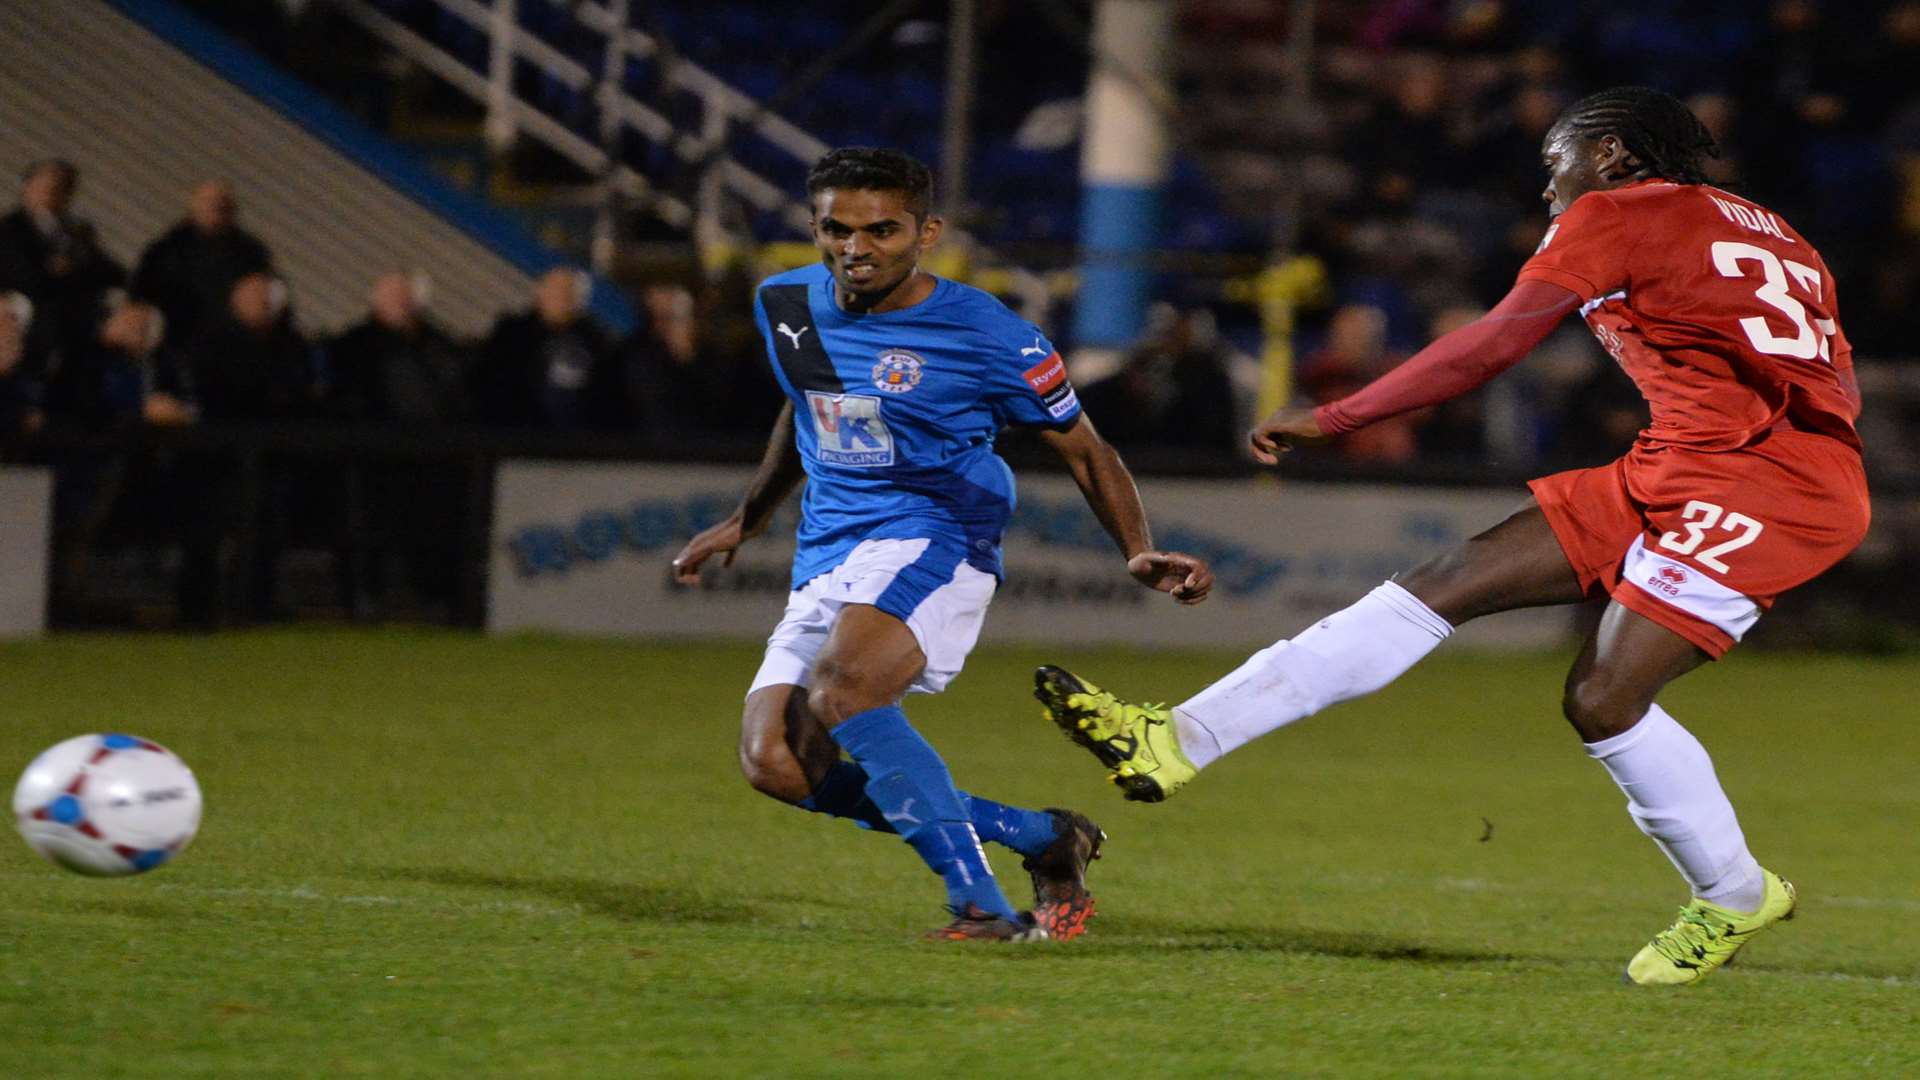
1125	155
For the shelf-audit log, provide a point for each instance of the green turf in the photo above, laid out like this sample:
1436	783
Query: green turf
435	854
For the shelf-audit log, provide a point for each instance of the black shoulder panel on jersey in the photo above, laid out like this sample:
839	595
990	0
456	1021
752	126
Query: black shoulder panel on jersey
796	341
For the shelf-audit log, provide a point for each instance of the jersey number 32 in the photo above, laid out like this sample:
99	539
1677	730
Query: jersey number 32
1808	340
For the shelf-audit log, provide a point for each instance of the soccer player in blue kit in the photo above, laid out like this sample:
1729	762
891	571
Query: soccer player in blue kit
897	383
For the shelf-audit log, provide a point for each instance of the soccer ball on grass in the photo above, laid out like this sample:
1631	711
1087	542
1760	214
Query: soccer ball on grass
107	805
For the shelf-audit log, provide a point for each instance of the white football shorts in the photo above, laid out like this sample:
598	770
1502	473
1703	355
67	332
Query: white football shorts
928	586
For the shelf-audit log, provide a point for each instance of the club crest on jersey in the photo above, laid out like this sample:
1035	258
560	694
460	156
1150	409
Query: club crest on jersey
898	371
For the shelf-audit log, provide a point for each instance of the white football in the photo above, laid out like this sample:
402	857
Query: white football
107	805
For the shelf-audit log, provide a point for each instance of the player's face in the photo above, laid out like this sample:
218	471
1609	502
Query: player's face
870	240
1577	164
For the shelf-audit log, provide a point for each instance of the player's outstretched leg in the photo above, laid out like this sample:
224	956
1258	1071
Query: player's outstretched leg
1152	751
1138	744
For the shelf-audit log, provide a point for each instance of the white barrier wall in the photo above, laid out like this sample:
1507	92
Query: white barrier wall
583	548
26	510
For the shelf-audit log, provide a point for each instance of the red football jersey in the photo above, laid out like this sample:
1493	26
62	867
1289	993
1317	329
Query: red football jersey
1719	311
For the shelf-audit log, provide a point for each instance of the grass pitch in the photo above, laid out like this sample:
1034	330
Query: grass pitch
433	854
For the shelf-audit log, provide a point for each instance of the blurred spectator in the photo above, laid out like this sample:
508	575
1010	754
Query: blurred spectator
1174	389
251	363
695	368
54	259
675	389
1354	355
1507	151
396	369
395	366
552	367
1408	142
20	391
191	269
127	374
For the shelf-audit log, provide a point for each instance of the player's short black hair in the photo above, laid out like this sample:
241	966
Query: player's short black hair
1655	127
872	168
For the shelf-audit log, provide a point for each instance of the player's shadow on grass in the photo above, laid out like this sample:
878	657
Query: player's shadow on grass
1179	937
630	901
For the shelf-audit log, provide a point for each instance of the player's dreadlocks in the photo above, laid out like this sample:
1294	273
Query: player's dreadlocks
1655	127
868	168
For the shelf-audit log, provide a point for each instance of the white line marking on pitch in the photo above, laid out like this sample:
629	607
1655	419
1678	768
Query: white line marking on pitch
1878	903
308	894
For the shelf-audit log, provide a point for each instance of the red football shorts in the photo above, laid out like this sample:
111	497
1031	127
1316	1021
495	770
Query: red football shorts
1702	543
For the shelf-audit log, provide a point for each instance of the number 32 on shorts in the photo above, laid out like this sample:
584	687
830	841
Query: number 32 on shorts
1697	517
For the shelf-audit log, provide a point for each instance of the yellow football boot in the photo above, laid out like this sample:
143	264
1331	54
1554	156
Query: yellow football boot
1136	743
1706	937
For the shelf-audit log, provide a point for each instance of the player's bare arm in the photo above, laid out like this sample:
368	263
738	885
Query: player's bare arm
1110	492
1454	364
779	473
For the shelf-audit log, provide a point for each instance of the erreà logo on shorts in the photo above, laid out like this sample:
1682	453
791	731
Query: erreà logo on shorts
848	430
1667	580
1049	379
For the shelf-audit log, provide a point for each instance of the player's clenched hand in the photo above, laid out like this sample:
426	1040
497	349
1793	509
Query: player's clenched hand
722	539
1187	578
1284	430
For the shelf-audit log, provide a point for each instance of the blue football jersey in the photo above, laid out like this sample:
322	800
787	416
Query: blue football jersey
895	414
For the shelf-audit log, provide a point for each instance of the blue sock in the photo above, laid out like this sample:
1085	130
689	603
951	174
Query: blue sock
911	787
842	793
1028	832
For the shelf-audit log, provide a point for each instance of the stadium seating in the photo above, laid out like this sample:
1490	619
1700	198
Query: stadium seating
141	152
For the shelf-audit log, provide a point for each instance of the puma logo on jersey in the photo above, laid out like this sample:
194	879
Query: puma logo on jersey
792	333
1034	349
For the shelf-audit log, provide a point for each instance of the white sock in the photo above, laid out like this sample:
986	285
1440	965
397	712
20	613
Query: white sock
1347	654
1676	800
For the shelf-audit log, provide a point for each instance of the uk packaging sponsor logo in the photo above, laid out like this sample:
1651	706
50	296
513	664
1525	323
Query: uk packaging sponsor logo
848	430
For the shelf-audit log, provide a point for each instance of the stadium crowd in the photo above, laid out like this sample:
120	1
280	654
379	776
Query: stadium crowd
1413	185
1417	173
1411	176
202	333
202	330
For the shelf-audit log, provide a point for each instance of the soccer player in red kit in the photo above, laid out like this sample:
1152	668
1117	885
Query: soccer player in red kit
1747	483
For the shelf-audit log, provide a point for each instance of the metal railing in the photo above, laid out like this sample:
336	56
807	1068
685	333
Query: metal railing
722	109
